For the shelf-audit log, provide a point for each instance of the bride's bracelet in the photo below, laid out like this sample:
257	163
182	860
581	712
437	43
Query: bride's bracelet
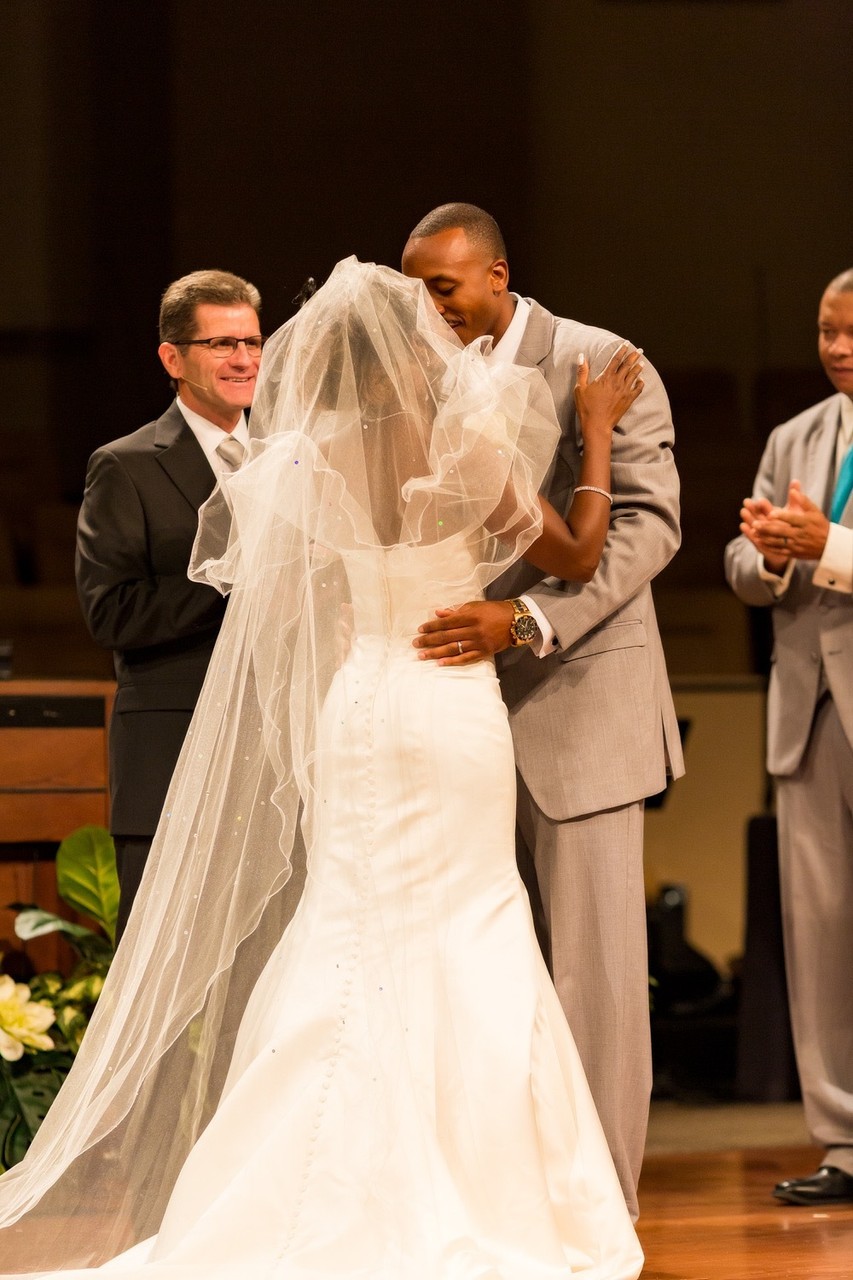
593	488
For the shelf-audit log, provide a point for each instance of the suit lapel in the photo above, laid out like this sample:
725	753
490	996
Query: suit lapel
533	351
538	337
536	351
819	471
847	513
182	458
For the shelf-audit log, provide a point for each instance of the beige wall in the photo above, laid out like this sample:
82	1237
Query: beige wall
698	837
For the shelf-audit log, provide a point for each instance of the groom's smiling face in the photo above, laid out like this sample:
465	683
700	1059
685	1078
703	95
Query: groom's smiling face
468	288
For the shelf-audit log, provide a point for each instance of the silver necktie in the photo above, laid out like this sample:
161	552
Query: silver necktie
231	452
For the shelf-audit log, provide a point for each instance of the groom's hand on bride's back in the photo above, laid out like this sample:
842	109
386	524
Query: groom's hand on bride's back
468	633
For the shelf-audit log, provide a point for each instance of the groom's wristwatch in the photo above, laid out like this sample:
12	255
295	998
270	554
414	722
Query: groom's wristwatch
523	627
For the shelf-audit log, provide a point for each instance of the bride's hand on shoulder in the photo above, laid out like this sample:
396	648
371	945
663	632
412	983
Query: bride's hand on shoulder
601	402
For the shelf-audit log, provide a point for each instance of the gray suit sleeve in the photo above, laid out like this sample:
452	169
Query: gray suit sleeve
644	529
742	560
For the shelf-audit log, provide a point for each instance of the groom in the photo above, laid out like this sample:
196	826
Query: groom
582	673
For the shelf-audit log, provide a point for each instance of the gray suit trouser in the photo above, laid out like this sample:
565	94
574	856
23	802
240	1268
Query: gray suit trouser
589	872
815	813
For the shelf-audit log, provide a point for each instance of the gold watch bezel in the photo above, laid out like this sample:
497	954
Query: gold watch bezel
520	610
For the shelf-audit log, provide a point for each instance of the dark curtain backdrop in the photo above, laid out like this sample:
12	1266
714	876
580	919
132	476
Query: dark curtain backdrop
672	169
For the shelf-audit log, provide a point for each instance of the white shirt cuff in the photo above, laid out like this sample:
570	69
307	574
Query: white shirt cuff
835	567
546	642
779	582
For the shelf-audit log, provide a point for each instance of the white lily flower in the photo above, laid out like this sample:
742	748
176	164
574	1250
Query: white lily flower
23	1021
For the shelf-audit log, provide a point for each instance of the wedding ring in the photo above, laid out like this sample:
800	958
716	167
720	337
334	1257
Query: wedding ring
459	645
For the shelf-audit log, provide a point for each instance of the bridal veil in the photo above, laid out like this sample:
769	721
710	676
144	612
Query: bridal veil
372	429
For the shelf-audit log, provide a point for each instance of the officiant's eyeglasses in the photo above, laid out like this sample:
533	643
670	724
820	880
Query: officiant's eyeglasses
225	346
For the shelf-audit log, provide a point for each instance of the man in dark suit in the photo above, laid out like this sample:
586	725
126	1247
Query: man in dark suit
795	556
135	534
582	672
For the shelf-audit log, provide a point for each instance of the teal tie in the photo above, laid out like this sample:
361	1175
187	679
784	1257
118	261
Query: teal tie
843	486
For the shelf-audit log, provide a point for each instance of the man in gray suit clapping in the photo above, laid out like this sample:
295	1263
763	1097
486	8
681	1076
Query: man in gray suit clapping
795	555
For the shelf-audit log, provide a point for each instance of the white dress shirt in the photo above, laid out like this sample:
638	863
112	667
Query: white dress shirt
505	351
210	436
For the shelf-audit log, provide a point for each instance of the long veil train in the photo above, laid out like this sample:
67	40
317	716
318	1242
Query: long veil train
390	470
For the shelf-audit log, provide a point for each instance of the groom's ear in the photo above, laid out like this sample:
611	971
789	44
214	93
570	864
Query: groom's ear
499	276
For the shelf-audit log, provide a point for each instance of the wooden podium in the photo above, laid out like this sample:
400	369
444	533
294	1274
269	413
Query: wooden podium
53	779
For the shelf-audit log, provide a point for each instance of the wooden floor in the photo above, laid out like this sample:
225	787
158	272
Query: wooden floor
711	1216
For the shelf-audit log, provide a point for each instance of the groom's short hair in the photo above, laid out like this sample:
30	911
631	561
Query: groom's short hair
480	227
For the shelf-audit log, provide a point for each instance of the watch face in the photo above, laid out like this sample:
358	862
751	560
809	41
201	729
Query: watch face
524	628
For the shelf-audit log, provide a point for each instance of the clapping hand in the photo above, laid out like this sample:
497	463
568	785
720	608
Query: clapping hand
796	531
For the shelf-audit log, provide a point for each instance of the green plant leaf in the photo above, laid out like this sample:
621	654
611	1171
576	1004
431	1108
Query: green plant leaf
86	876
95	951
45	986
27	1088
72	1022
35	923
14	1138
86	988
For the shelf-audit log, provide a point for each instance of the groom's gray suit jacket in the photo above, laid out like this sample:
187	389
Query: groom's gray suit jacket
813	627
593	724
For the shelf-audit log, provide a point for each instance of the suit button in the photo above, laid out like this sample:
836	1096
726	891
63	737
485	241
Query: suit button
830	582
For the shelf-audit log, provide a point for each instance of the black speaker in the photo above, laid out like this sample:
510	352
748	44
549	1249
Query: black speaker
766	1066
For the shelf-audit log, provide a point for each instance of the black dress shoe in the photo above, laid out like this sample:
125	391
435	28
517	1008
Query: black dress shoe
827	1186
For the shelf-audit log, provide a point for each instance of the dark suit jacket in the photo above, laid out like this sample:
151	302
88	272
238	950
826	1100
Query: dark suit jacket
135	534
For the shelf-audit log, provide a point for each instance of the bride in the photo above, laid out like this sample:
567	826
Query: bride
328	1046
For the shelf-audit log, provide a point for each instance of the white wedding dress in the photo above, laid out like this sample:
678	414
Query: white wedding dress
405	1101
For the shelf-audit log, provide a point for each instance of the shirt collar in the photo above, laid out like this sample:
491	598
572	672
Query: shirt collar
846	428
505	349
209	435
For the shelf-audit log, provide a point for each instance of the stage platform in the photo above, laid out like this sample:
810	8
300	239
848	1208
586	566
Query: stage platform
709	1214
